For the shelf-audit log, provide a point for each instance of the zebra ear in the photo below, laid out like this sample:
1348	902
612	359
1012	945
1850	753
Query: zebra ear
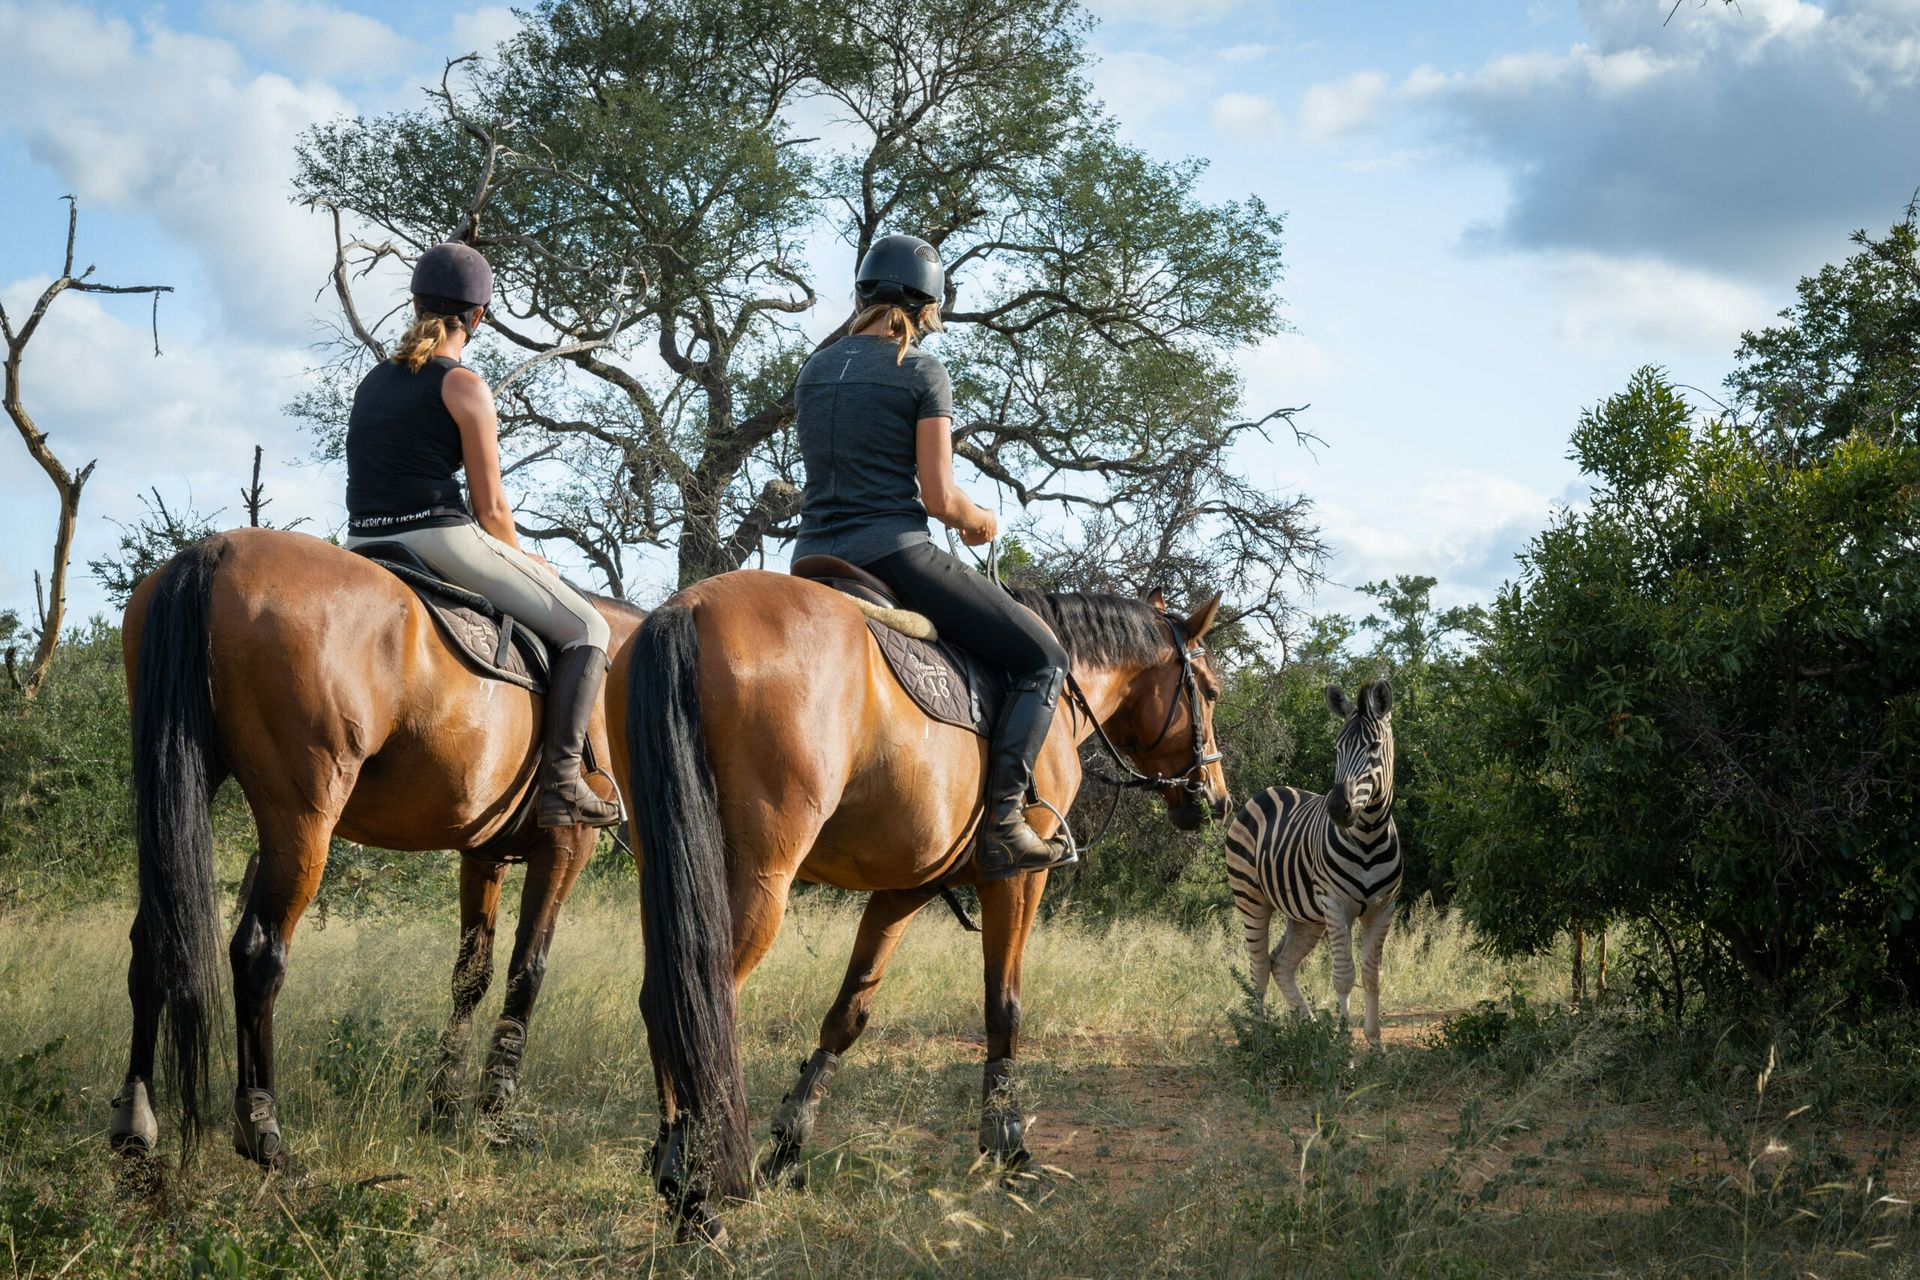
1157	600
1379	697
1338	702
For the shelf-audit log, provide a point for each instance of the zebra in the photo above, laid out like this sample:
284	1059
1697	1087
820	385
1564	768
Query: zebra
1324	861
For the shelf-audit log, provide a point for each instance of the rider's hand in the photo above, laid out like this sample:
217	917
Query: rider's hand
982	532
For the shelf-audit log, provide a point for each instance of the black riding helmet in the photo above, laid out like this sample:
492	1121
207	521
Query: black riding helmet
903	270
451	280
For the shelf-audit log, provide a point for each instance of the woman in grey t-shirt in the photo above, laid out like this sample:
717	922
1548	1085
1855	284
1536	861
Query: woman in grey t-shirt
875	417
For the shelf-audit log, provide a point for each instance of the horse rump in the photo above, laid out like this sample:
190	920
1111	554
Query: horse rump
687	997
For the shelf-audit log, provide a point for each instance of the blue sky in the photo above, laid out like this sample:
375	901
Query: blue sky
1495	212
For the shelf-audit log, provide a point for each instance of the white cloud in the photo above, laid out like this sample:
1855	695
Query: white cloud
1731	139
178	128
1251	114
1237	53
1338	108
1159	13
308	38
1140	87
185	421
481	30
1462	527
1650	306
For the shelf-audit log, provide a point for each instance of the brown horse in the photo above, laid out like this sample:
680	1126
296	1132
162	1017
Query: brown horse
776	745
317	681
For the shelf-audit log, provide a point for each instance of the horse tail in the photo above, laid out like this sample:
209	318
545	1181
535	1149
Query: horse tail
175	773
687	997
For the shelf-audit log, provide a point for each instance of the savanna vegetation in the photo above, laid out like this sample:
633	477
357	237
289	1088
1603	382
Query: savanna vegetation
1686	726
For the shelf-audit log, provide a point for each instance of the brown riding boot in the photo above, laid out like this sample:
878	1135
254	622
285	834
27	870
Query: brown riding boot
574	690
1007	846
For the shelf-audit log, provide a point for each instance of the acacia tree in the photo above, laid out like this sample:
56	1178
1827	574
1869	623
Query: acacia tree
709	150
67	483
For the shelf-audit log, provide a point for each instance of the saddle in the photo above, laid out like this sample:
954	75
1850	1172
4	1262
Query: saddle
493	644
946	682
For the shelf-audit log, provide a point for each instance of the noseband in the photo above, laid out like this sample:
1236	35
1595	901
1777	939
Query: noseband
1191	779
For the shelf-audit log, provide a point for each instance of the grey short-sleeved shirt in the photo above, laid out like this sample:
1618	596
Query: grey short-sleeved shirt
855	414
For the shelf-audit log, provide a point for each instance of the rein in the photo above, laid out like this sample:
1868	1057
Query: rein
1188	779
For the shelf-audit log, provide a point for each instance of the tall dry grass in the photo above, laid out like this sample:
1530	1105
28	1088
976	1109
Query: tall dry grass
1176	1160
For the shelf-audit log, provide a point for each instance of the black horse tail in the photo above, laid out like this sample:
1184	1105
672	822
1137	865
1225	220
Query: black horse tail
687	997
175	773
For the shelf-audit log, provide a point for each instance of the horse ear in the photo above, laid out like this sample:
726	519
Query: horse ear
1202	620
1338	702
1157	600
1380	697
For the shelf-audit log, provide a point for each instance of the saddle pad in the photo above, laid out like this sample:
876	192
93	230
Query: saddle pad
491	641
949	684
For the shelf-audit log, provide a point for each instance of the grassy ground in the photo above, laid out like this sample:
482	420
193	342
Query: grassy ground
1512	1140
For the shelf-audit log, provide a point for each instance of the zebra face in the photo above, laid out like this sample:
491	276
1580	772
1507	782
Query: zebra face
1362	754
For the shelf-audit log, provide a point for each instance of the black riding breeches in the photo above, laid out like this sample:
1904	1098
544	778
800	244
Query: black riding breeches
970	611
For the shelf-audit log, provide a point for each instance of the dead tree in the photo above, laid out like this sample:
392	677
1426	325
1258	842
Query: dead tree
66	483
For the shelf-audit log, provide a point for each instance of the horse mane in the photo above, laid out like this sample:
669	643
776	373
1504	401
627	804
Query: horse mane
1099	628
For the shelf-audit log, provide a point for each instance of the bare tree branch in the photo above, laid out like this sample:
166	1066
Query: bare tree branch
67	484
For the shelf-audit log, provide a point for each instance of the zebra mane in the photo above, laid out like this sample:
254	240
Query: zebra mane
1099	628
1362	699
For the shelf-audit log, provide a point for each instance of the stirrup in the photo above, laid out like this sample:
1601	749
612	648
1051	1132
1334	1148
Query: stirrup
554	808
996	859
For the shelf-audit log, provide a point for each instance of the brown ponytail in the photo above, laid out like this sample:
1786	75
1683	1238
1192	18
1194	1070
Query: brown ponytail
423	337
903	327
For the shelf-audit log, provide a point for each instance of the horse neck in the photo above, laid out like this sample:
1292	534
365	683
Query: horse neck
1106	688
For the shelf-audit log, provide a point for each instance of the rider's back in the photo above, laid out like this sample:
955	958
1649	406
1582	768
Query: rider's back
857	407
403	446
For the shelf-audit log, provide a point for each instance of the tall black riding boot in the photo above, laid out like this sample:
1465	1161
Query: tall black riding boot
1007	845
565	798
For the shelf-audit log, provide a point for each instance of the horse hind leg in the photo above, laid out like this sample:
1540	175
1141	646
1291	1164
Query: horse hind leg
882	925
1007	910
480	883
134	1130
551	873
293	854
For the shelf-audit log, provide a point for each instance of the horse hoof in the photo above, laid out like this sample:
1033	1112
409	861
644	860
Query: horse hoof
133	1130
698	1224
781	1167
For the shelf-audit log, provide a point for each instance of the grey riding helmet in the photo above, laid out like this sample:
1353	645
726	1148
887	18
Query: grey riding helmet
451	280
903	270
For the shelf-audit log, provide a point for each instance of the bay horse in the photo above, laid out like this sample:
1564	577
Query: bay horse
317	681
776	745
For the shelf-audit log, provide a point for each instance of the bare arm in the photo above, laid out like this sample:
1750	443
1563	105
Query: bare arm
470	401
933	460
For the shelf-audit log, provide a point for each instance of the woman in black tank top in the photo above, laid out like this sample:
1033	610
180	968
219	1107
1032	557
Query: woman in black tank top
420	417
874	416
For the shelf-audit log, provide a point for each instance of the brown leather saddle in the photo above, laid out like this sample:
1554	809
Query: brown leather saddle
492	643
945	681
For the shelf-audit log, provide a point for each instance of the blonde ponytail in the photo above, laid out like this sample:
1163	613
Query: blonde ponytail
903	327
422	338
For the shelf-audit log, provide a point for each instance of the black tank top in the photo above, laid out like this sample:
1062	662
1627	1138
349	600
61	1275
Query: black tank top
403	449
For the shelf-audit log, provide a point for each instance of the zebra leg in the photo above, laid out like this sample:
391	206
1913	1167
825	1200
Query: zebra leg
1256	921
1296	944
1373	939
1340	940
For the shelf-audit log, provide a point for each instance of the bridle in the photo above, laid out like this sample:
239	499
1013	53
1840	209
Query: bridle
1191	779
